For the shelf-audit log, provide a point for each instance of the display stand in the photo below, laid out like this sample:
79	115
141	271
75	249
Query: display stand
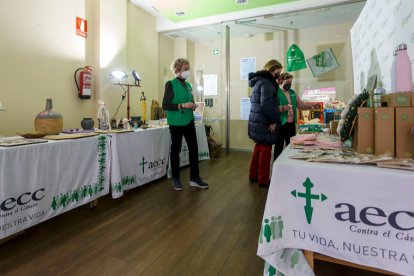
128	87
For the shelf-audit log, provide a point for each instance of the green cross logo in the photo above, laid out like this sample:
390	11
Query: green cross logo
308	196
143	164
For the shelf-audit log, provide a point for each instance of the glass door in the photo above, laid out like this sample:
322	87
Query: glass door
203	47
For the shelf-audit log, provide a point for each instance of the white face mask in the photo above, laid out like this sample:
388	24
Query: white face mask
185	75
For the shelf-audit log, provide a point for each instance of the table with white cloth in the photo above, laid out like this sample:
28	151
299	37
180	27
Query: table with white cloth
142	156
40	181
361	214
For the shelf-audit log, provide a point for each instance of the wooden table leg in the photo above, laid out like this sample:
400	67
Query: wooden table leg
94	203
309	257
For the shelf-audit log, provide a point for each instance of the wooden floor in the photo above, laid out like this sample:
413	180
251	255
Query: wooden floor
154	230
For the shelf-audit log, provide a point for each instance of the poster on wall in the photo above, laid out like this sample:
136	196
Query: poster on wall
379	29
324	95
210	85
323	62
247	65
244	108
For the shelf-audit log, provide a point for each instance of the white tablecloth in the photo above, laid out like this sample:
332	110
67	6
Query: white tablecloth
143	156
138	158
40	181
358	213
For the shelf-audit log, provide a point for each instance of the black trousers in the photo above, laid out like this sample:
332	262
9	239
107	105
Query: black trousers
189	133
285	132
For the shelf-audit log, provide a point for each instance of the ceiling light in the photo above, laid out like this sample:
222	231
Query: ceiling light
180	13
242	2
137	78
118	75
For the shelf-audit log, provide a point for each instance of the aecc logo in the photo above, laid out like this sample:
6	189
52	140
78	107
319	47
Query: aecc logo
11	202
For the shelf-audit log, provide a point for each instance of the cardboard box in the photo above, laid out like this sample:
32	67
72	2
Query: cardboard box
385	131
333	125
363	140
399	99
412	98
404	140
331	115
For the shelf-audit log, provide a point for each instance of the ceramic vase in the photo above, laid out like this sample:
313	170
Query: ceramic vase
87	123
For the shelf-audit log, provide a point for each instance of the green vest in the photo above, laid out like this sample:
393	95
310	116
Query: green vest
283	101
181	95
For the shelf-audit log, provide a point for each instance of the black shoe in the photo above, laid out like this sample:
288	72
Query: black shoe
176	182
198	182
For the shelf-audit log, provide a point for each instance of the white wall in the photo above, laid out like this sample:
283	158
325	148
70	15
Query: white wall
40	53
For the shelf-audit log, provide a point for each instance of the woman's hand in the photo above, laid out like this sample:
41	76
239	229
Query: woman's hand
272	128
189	105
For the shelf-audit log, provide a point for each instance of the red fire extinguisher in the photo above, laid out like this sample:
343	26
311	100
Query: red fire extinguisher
85	80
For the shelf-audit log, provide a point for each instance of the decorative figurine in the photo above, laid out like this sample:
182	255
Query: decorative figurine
125	124
143	100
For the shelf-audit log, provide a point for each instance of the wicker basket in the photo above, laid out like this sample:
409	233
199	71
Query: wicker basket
49	126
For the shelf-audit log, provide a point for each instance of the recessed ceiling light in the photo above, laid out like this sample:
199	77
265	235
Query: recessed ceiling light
180	13
242	2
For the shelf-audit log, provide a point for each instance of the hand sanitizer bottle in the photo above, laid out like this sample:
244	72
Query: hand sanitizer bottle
103	116
378	92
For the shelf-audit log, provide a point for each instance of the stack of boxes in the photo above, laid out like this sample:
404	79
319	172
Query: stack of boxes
387	129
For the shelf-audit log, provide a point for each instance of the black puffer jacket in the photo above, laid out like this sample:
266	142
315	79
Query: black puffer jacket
264	109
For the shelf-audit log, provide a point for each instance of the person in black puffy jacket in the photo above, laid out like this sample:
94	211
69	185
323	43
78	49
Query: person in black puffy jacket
264	119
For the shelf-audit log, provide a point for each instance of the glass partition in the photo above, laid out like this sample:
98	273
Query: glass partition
252	43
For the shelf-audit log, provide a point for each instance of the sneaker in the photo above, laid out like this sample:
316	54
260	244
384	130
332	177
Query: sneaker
198	182
176	182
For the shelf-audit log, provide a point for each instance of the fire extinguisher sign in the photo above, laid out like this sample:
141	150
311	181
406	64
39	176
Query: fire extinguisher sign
81	27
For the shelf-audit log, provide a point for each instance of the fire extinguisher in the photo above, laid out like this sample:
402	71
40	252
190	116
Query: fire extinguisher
85	79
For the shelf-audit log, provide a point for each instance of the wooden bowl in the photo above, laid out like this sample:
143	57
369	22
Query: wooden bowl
32	135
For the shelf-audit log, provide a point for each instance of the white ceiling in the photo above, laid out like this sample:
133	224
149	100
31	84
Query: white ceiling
263	24
295	15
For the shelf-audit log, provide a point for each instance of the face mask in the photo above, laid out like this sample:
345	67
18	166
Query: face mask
185	75
277	75
287	86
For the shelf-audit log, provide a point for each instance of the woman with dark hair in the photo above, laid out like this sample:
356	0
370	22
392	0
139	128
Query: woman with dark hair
263	119
289	103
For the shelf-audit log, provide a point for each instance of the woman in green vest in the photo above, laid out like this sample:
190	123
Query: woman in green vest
289	103
179	105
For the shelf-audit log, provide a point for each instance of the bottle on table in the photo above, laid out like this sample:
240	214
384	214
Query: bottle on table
394	60
103	116
378	92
